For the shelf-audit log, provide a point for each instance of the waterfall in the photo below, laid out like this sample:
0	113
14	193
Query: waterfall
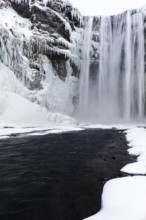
85	68
118	91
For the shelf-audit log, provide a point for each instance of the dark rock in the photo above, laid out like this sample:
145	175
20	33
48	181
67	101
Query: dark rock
22	9
59	64
49	18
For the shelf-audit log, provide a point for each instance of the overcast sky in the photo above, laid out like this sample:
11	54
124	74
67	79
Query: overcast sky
106	7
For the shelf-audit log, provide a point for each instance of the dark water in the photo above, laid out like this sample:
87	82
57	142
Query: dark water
58	176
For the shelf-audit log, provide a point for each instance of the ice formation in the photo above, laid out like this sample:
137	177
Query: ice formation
27	52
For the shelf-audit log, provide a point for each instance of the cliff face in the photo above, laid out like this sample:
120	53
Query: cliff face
40	42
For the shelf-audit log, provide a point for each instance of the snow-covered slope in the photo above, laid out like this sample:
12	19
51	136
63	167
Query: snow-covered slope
39	56
16	110
18	105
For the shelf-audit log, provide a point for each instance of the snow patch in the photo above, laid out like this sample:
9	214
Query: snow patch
17	110
9	82
137	143
123	199
6	132
10	20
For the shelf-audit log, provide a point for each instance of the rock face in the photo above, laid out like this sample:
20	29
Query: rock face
38	37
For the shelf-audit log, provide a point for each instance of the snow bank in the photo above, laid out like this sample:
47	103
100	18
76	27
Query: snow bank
16	110
9	82
137	143
34	131
123	199
111	126
20	116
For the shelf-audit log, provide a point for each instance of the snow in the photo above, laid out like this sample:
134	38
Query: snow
14	32
119	126
19	115
35	131
9	82
59	93
9	19
16	107
16	39
137	143
123	199
16	110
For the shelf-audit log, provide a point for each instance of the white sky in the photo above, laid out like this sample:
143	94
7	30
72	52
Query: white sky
106	7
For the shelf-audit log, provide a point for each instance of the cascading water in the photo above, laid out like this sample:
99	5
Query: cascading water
118	93
85	69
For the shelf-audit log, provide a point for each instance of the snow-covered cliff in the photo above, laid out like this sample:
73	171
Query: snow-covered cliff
40	44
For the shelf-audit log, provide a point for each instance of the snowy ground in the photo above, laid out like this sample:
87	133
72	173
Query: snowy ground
125	198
